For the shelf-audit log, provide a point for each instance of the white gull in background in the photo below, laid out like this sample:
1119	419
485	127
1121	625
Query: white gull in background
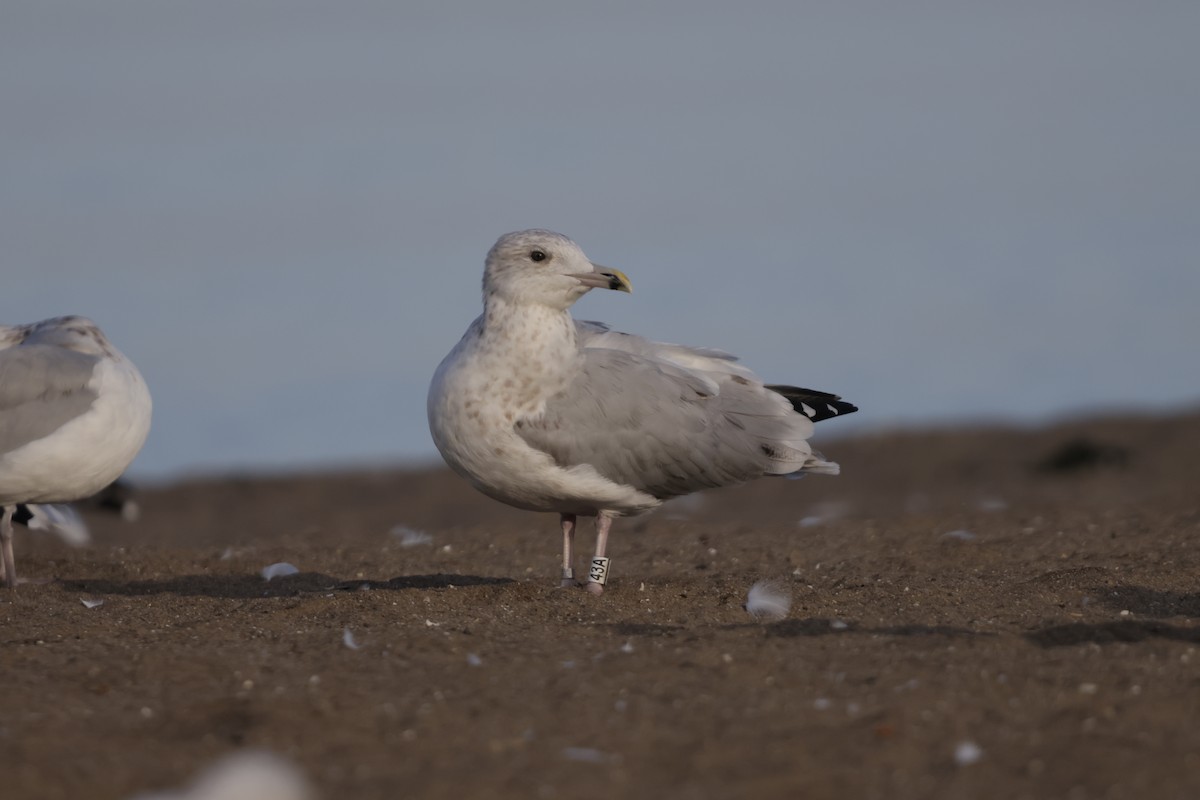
245	775
73	414
549	414
65	521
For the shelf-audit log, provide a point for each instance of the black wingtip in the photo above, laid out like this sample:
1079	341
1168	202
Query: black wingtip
22	515
813	404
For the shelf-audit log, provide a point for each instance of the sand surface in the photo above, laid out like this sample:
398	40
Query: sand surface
964	624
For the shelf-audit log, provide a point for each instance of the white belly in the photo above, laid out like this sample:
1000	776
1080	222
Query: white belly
472	423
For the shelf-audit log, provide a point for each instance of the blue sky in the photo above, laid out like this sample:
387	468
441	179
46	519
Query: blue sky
942	211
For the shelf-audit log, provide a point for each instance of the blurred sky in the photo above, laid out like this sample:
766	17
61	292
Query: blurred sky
942	211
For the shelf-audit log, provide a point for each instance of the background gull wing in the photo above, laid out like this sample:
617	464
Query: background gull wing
42	388
60	519
668	430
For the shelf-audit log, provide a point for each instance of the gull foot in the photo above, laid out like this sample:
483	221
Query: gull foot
595	588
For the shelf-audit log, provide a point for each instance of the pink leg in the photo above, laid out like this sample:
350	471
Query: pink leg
568	567
598	574
6	548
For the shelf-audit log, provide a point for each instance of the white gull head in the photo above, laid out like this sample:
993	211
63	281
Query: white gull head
544	268
71	333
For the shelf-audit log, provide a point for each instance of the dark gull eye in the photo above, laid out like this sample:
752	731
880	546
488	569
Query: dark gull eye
537	255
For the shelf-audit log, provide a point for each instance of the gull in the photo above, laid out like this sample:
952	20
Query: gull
545	413
73	413
244	775
63	520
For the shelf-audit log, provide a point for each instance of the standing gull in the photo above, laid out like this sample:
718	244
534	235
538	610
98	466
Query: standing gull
73	414
549	414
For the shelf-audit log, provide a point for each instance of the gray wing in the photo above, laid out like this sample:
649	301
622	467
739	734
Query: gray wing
706	361
667	430
42	388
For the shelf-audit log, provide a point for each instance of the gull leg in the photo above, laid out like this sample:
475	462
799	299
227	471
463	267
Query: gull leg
598	574
568	566
6	548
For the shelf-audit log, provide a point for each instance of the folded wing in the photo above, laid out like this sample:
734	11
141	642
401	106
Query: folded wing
669	419
42	388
